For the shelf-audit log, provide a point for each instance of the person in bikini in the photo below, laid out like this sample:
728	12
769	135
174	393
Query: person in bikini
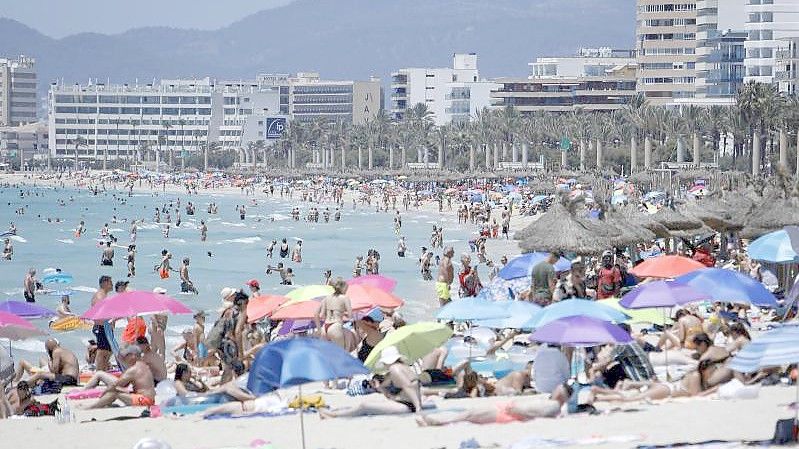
334	311
681	334
138	375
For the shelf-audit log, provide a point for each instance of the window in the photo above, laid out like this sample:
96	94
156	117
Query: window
151	111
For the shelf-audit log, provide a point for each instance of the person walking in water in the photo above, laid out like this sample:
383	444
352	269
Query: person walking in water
186	285
296	253
107	258
203	231
446	275
29	286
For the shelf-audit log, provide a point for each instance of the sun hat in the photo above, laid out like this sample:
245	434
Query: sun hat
225	292
390	355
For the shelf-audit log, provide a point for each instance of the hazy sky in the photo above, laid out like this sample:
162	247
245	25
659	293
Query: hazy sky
59	18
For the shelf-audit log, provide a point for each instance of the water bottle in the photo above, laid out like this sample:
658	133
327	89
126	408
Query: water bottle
66	413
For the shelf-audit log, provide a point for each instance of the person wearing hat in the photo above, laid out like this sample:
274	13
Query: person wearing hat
400	386
255	288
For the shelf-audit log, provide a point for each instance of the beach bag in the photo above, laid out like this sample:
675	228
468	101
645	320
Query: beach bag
785	432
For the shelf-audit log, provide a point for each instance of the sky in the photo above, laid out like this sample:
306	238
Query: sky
65	17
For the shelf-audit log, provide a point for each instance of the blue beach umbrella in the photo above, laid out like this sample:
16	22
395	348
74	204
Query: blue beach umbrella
522	266
473	308
519	313
776	347
728	286
57	278
299	361
575	307
504	289
773	247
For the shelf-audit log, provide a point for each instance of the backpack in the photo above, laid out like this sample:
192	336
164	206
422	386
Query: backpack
785	431
214	339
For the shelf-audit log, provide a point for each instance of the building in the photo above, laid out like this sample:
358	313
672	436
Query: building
17	91
787	67
593	80
176	116
24	143
455	93
720	52
306	97
770	24
666	49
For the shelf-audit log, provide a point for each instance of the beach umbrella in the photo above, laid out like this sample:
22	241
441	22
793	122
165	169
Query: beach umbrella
504	290
662	294
262	306
773	247
629	233
13	327
298	361
770	215
134	303
519	312
637	316
25	309
522	265
305	310
366	296
729	286
472	308
560	230
673	220
307	292
580	331
667	266
574	307
384	283
413	341
57	278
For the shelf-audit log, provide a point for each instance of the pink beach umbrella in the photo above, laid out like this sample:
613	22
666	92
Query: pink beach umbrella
368	297
384	283
13	327
134	303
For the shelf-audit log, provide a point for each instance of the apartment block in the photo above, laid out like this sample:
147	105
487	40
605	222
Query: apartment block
770	25
17	91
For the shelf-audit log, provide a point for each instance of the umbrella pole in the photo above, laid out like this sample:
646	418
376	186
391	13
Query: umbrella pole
666	348
302	419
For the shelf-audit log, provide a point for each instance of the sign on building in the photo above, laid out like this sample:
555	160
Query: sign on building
275	127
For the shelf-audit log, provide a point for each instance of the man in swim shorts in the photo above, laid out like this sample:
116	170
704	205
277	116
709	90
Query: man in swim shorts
137	375
446	274
62	366
103	345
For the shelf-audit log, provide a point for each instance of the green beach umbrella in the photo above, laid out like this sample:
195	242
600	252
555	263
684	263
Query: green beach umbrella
307	293
650	315
413	341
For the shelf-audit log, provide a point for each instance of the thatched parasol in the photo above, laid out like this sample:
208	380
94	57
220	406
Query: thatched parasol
771	215
560	230
674	220
630	233
701	231
716	213
644	220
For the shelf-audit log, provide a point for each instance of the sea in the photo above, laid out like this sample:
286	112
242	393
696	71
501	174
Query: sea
46	240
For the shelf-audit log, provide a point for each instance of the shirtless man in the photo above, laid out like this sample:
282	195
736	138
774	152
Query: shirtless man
103	345
203	231
107	258
29	286
357	269
286	274
62	367
186	285
8	250
446	275
138	375
153	360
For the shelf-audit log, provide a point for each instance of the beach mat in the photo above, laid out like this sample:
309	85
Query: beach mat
257	415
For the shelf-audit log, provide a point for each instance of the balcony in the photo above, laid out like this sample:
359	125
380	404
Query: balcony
458	96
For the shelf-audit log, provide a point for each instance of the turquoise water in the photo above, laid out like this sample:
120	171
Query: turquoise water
238	248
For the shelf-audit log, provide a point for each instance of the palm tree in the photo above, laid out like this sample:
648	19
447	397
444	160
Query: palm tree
182	124
79	142
167	126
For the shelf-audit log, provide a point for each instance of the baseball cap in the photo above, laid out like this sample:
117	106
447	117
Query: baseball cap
254	283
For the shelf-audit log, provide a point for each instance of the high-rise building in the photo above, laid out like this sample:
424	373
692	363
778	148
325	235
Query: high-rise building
180	116
593	80
666	49
451	94
720	53
17	91
769	24
24	145
306	97
787	67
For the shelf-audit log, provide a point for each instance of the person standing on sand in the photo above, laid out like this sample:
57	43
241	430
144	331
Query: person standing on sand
446	275
103	345
335	310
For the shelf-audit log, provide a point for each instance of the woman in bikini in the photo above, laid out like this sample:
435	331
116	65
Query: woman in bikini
334	311
681	335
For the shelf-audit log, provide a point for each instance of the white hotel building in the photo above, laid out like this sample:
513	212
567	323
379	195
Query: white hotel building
771	24
451	94
174	115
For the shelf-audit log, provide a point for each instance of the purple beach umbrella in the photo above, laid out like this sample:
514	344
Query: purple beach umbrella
661	294
580	331
25	309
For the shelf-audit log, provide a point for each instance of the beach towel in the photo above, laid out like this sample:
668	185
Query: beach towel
79	395
257	415
109	335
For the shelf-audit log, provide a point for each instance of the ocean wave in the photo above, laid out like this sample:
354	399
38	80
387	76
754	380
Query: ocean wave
241	240
279	217
16	291
17	238
174	240
238	225
83	288
30	345
148	226
116	230
67	241
49	270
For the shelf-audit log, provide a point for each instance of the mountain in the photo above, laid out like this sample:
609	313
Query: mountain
348	39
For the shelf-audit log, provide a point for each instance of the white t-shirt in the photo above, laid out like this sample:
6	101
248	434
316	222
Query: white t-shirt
550	369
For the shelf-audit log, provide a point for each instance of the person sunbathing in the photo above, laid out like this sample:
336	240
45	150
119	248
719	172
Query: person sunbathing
138	375
506	412
185	384
62	367
689	386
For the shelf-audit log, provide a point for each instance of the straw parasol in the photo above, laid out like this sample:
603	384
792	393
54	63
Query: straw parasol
644	220
674	220
630	233
560	230
772	214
